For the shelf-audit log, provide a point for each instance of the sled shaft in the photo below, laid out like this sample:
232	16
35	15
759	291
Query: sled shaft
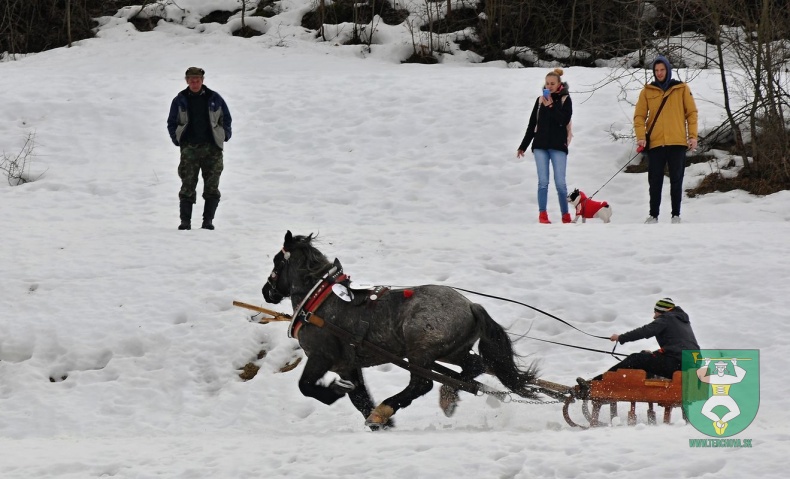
276	316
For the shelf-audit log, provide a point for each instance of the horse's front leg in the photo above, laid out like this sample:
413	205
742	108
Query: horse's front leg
361	399
314	370
360	396
418	386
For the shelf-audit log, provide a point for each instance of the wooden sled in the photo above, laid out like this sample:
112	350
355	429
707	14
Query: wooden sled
630	385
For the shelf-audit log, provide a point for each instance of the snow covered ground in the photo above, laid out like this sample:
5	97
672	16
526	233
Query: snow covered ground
409	175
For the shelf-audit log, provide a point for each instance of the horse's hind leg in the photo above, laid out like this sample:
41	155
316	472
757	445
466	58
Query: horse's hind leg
448	399
418	386
314	370
472	366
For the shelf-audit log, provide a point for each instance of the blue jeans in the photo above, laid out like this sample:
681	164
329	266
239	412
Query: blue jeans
559	160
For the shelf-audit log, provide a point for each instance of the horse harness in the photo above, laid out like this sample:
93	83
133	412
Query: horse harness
304	313
334	280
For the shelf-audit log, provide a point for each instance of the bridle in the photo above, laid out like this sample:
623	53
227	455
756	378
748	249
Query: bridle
311	301
277	271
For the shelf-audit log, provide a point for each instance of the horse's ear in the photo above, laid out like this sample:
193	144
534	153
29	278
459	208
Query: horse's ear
288	237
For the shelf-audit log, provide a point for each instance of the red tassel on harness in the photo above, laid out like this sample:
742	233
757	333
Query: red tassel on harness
407	293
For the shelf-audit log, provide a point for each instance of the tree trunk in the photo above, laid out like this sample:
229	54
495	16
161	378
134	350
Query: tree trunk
68	21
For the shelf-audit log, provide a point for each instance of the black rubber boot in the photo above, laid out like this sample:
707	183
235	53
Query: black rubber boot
208	213
186	215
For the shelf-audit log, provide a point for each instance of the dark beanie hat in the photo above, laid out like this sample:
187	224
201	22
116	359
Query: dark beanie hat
663	305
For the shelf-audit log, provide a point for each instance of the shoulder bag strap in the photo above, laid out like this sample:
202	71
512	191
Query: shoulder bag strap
653	125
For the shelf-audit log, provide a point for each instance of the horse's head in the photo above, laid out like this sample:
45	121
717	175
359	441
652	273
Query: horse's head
295	266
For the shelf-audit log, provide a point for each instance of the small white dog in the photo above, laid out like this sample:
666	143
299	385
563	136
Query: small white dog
588	208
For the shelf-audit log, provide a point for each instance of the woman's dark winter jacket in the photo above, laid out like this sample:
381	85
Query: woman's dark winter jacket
547	128
672	330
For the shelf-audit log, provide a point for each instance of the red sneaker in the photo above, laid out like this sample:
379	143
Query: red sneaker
566	218
543	217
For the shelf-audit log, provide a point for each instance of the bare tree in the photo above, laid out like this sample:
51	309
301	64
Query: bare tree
322	16
755	42
245	4
68	21
16	168
28	26
716	36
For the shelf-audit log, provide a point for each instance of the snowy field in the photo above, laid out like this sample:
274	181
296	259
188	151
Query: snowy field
408	173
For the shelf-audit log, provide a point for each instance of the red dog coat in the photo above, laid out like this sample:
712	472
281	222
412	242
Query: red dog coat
587	207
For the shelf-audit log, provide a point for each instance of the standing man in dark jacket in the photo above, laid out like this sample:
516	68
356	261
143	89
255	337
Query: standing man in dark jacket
671	328
199	123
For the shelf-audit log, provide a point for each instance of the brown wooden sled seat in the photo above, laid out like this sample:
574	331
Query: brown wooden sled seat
632	385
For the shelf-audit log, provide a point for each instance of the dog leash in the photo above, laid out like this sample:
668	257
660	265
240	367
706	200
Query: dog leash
583	204
641	148
618	172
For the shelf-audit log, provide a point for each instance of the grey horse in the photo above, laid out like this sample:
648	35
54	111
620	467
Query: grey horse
423	324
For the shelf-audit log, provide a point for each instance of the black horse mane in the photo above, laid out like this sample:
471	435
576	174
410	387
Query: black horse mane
313	262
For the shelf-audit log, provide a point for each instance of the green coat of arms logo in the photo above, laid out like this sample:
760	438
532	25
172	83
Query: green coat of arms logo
721	389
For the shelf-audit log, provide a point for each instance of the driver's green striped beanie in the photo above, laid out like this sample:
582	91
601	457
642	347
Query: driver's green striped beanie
663	305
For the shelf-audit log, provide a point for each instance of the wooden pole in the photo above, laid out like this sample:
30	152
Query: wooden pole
275	316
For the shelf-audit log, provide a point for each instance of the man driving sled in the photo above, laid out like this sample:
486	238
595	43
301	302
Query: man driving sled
672	329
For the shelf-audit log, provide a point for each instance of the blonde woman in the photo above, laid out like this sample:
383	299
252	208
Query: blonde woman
548	132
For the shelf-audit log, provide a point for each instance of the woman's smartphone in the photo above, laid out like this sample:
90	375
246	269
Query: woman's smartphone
546	93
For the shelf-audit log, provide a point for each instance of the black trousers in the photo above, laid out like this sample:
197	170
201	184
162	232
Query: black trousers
654	364
658	158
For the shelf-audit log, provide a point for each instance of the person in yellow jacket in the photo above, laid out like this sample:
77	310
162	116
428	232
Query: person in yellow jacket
674	132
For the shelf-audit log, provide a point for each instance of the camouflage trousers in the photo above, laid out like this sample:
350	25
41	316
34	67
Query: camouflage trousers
195	159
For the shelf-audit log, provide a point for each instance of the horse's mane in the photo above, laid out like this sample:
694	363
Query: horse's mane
313	262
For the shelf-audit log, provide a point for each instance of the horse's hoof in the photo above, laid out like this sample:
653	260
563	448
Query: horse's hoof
379	416
448	400
390	424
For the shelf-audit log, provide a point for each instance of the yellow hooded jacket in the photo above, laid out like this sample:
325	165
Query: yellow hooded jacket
677	122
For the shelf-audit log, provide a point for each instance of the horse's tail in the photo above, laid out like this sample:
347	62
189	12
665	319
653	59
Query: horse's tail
496	349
